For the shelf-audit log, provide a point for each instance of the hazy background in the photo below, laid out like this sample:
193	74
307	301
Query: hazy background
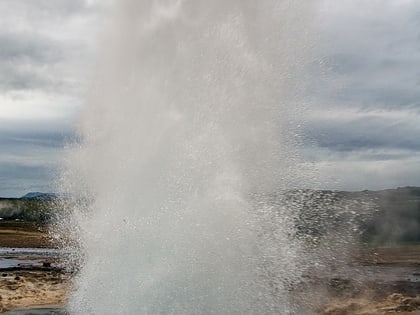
361	132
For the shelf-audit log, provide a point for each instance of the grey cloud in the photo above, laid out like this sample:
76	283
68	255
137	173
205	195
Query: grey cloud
345	63
41	46
26	61
392	97
48	8
368	174
29	160
54	134
19	47
373	80
43	51
54	140
16	179
22	171
366	132
374	57
373	155
373	61
13	78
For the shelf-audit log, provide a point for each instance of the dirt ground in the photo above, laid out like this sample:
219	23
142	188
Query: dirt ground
43	282
385	280
24	235
21	289
379	280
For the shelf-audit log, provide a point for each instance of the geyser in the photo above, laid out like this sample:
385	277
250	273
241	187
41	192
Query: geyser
190	126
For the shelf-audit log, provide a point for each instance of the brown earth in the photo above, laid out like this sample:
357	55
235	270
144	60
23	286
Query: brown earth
20	289
393	304
45	284
383	290
388	283
24	235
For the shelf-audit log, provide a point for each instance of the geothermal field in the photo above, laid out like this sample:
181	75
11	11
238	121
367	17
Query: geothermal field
223	157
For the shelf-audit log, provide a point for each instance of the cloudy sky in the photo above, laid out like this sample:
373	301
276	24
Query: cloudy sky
364	122
46	47
367	115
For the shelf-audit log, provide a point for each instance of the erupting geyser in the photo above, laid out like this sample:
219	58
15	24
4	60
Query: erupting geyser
188	130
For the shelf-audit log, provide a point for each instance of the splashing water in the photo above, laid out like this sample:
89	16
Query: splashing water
188	130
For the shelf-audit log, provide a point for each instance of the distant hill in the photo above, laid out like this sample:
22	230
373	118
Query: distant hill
391	215
40	196
384	216
34	206
397	217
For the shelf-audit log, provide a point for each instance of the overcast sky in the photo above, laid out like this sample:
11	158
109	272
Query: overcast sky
367	114
364	124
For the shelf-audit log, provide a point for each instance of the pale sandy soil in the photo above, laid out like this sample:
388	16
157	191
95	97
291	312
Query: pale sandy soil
24	234
386	280
32	288
393	304
385	288
24	287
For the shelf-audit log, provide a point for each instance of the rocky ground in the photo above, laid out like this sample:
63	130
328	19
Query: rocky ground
365	305
33	288
30	279
378	280
24	234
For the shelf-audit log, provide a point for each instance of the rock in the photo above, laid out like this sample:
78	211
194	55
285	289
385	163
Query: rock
404	308
395	297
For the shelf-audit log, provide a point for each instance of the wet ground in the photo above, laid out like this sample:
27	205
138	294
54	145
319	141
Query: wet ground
31	269
31	278
40	311
19	234
375	281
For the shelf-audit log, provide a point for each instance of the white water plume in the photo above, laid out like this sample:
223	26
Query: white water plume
190	126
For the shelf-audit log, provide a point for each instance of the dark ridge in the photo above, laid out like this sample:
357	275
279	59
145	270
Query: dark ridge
380	217
40	196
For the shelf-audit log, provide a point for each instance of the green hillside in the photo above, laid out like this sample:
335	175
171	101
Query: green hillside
35	210
384	216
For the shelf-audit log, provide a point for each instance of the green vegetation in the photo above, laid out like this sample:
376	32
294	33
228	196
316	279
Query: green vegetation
33	210
397	219
376	217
